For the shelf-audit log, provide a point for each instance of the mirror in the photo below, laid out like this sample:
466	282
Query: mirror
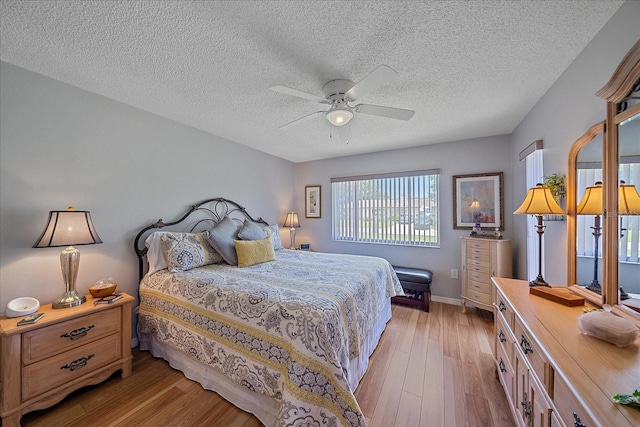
620	139
585	169
589	214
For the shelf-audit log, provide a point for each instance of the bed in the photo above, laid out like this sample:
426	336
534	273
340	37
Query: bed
287	339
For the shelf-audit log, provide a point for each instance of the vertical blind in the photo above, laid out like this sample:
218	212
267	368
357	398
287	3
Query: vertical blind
399	208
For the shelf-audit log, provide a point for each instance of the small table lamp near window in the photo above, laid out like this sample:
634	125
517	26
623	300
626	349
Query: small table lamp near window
539	202
68	228
292	222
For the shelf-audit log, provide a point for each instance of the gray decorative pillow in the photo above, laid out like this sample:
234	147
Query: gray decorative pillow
184	251
221	238
275	236
252	231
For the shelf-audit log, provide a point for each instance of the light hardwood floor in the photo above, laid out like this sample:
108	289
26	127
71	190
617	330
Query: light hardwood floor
430	369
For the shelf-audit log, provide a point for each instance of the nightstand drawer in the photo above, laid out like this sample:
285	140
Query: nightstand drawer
47	374
54	339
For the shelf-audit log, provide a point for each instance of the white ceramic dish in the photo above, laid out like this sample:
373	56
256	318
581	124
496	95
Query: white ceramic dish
22	306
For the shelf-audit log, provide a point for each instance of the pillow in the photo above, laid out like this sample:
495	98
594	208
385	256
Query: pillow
155	252
252	231
184	251
275	236
251	252
221	238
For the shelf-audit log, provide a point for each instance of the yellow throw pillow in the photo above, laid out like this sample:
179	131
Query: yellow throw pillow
251	252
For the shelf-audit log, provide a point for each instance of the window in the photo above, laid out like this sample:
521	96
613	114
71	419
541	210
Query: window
398	209
534	174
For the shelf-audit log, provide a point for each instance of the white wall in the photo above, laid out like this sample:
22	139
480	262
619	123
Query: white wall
480	155
62	146
562	115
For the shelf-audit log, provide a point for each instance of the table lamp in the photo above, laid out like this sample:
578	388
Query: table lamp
68	228
292	222
539	202
591	204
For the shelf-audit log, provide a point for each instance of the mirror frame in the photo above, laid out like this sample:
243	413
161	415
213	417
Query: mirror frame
572	202
619	86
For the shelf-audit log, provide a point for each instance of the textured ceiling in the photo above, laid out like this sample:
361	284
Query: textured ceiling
468	68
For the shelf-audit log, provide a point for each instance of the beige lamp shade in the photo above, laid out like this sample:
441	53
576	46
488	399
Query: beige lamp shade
291	221
539	201
591	203
628	200
68	228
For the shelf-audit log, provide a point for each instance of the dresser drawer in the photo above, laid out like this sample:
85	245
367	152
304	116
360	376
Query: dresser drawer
484	287
47	374
505	310
478	267
478	277
568	404
504	338
479	296
478	245
531	351
506	373
54	339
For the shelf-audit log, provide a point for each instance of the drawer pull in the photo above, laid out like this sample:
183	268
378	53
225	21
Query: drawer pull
77	333
501	306
501	336
526	408
501	365
576	421
78	363
525	346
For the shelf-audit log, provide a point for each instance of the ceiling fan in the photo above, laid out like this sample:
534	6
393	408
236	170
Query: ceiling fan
340	96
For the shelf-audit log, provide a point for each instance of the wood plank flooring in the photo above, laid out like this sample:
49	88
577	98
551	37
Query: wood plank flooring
430	369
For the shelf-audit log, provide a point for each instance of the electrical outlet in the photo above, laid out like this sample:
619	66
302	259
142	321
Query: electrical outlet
454	273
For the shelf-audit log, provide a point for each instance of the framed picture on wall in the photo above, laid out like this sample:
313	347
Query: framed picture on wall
312	198
479	199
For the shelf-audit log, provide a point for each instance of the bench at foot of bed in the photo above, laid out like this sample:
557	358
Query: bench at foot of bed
416	283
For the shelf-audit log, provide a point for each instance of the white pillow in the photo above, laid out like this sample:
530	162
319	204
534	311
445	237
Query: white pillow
155	252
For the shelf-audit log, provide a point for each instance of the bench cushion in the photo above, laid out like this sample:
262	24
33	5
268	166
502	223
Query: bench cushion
415	275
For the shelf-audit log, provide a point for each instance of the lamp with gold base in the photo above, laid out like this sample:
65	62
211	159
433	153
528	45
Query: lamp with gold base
68	228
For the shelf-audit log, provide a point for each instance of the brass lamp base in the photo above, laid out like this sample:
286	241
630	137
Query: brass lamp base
69	299
539	282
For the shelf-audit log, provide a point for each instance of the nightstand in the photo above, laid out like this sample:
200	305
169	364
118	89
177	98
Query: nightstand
67	349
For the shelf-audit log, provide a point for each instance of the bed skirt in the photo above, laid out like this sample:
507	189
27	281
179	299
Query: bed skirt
263	407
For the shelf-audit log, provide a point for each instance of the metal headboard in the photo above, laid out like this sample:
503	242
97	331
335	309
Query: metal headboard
202	216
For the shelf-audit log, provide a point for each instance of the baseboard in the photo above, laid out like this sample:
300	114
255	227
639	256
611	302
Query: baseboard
134	342
445	300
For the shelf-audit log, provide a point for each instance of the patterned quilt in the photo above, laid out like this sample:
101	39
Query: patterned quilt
285	328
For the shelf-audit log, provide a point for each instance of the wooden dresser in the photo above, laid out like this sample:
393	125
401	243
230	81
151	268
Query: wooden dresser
552	374
67	349
483	259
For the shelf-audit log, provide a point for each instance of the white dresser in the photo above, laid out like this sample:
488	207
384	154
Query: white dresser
483	259
552	374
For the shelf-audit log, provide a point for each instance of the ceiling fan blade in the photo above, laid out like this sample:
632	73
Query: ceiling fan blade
390	112
374	80
300	120
299	94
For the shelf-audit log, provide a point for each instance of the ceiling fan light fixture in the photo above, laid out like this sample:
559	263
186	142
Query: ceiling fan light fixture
339	116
